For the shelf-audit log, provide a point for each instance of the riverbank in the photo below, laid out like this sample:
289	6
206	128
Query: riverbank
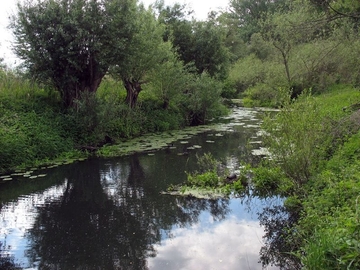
314	153
36	131
312	162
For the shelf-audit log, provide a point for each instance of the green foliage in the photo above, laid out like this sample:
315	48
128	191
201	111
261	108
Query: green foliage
200	43
71	44
203	99
169	79
34	128
210	175
333	209
297	139
30	129
249	14
206	175
268	181
206	179
208	51
262	95
314	163
207	163
146	50
247	72
257	80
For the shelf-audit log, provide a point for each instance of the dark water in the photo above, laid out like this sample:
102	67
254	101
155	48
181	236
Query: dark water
109	213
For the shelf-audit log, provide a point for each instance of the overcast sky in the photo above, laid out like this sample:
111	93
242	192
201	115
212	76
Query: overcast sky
7	7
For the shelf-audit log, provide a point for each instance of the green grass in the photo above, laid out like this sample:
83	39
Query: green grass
36	129
334	102
315	148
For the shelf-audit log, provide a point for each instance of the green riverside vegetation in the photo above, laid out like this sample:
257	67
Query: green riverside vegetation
313	163
96	73
36	130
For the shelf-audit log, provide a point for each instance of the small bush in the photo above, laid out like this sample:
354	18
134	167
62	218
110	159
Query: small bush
262	95
207	174
206	179
203	100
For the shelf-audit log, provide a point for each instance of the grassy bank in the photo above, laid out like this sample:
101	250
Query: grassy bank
314	146
36	130
315	152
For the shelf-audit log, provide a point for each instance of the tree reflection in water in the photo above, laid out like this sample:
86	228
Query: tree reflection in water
109	218
279	239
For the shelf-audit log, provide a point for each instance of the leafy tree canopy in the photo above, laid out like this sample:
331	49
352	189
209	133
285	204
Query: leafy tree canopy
201	44
245	15
71	44
144	53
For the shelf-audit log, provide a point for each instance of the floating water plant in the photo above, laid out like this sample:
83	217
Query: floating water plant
260	152
17	174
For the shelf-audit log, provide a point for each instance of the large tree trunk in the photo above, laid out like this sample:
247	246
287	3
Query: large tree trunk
89	80
133	88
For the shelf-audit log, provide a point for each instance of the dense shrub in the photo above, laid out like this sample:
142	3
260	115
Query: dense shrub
202	101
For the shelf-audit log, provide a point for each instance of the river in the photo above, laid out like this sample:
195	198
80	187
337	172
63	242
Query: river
109	213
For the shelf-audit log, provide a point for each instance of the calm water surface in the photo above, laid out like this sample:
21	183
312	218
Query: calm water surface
109	213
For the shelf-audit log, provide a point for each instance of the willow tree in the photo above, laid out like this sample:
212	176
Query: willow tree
143	54
71	44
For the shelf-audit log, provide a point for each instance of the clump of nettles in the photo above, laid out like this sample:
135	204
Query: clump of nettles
212	175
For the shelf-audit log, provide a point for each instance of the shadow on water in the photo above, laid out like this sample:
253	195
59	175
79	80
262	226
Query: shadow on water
109	214
279	246
104	221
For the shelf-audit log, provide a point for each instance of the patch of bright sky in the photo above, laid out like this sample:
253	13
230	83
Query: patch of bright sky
8	7
232	244
17	217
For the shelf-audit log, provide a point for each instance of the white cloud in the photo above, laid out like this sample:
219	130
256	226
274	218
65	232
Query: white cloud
6	10
231	244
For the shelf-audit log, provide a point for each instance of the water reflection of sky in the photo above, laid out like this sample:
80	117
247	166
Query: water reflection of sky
230	240
233	243
19	216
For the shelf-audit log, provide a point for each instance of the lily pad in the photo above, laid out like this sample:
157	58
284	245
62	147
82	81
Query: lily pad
52	166
197	193
7	179
17	174
262	151
209	141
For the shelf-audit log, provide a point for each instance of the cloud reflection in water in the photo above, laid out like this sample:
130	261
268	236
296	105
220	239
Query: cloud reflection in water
230	244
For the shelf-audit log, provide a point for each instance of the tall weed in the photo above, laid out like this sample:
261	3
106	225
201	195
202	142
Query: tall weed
297	138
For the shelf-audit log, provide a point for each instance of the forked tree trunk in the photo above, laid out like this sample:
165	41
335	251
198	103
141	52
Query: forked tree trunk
88	82
133	88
